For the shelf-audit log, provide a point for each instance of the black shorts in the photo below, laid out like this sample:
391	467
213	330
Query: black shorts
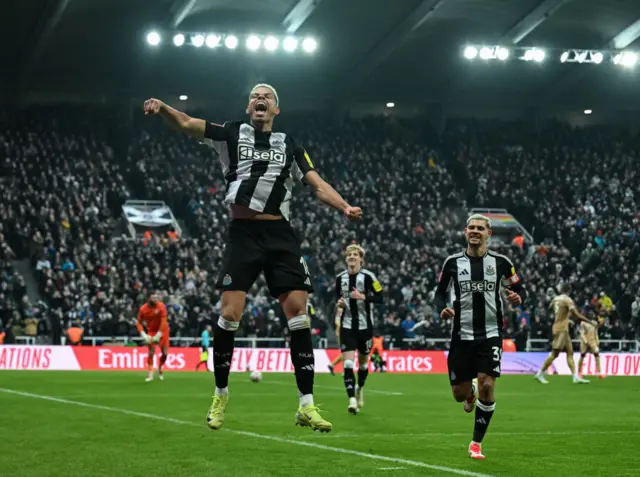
468	358
272	246
361	340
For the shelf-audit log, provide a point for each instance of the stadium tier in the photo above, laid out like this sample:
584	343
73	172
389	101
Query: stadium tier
63	194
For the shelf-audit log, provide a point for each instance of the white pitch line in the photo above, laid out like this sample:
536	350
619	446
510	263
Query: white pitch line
281	440
335	388
466	434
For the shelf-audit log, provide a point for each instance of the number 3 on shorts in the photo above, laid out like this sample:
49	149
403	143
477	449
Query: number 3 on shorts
304	264
497	353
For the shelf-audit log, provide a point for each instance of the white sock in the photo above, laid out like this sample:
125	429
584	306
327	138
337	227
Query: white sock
306	400
222	391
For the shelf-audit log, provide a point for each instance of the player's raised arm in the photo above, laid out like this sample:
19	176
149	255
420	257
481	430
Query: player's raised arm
324	192
176	119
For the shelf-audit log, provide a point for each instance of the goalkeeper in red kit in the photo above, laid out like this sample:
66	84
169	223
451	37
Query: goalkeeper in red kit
154	314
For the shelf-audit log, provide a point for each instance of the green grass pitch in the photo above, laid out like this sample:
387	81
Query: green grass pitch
409	426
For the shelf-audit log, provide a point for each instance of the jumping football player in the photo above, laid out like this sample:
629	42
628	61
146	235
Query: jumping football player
260	166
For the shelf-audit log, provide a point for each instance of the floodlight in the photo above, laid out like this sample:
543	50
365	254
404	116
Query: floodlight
470	52
629	59
390	105
597	57
183	97
212	41
502	53
231	42
178	39
564	57
271	43
253	42
197	40
486	52
290	44
587	111
153	38
538	55
309	45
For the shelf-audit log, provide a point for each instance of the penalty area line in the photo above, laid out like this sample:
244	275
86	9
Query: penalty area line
281	440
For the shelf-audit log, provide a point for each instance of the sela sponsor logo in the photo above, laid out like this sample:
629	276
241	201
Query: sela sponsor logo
477	286
249	153
25	357
134	359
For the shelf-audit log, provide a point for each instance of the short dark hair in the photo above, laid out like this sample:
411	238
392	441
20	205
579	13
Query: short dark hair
565	288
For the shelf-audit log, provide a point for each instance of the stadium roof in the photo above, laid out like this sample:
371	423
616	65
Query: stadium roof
369	50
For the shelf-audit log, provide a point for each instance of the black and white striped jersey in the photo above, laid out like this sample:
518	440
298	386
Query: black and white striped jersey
358	314
259	167
478	284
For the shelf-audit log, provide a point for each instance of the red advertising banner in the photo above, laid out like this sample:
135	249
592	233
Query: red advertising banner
278	360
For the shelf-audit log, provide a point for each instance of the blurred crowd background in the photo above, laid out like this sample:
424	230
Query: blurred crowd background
69	262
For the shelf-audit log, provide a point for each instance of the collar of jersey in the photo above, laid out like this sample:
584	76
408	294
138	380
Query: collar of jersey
475	258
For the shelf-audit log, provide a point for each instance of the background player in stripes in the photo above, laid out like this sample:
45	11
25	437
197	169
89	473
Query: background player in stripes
357	288
259	167
479	279
563	308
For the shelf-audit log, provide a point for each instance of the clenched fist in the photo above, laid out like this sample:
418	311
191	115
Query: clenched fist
353	213
152	106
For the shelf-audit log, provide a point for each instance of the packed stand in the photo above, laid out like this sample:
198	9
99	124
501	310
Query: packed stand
576	191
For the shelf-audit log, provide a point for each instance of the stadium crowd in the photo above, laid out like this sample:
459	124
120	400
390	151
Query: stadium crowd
576	191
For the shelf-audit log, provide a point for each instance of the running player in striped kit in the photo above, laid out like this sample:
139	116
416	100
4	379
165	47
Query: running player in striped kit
259	167
479	278
356	289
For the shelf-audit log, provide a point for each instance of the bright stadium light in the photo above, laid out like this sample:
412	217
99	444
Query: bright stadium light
153	38
309	45
271	43
290	44
231	42
538	55
628	59
486	52
564	57
597	57
390	105
587	111
183	97
470	52
197	40
502	53
178	39
253	42
212	41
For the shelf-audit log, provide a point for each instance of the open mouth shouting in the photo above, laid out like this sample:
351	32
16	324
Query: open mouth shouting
261	108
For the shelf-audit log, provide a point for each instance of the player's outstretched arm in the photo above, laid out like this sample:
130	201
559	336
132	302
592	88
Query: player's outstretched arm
328	195
176	119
